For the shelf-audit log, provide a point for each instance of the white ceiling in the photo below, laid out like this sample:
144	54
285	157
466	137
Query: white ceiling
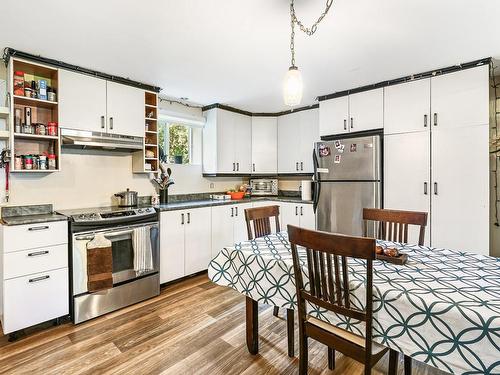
237	52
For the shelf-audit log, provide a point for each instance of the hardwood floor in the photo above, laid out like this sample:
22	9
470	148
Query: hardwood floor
193	327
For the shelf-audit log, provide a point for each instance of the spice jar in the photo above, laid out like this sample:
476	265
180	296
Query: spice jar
28	92
28	162
18	163
42	162
27	129
19	83
40	129
51	94
52	128
52	161
17	120
35	161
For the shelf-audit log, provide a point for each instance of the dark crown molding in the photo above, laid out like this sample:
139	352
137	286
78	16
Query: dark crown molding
257	114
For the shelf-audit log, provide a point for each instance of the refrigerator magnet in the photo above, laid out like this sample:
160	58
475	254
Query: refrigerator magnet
337	158
353	147
338	144
324	150
341	149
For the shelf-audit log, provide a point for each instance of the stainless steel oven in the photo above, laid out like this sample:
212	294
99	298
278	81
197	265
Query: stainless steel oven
264	186
130	283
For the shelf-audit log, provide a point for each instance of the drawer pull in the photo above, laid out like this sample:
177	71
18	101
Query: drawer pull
37	279
37	253
44	227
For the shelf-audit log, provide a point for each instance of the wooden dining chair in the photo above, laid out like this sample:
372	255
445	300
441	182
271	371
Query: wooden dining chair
261	219
392	225
326	257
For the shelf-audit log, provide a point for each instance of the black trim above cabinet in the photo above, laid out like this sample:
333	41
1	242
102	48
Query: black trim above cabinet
258	114
10	52
227	175
413	77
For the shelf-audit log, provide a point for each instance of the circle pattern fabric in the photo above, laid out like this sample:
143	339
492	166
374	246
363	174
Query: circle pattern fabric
442	307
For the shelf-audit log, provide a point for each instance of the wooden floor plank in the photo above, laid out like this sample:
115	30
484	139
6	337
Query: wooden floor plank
193	327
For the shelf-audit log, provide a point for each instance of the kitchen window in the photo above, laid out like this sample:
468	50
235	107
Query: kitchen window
179	138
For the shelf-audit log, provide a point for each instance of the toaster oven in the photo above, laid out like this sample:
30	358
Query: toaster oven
264	186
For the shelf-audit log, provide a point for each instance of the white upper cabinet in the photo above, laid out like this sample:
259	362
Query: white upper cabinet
407	107
461	98
366	110
264	145
227	142
352	113
243	143
288	143
297	133
94	104
309	133
334	116
125	110
82	101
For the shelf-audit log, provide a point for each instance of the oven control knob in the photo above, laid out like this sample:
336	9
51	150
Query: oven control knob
140	210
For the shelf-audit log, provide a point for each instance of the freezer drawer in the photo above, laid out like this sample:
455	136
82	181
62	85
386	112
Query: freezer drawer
340	206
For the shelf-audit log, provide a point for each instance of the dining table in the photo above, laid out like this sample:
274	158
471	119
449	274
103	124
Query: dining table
442	307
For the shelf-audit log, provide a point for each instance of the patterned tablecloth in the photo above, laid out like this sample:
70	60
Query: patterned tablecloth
442	307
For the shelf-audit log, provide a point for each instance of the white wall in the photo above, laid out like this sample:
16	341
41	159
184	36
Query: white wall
90	178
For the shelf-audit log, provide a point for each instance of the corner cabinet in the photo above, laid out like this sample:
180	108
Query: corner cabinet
227	143
94	104
264	145
185	238
297	133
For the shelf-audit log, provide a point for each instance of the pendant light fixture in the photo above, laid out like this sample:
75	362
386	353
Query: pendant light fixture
292	89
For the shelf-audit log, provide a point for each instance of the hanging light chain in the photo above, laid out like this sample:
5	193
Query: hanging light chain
309	31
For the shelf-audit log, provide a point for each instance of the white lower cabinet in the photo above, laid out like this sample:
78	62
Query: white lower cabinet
33	299
229	225
185	238
34	274
298	214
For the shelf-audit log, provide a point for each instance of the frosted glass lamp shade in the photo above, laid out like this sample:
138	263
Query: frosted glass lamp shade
292	89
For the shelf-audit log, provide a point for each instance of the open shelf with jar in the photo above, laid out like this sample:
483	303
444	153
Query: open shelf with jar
146	160
33	123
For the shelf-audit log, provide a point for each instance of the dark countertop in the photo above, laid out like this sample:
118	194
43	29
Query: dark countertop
32	219
211	203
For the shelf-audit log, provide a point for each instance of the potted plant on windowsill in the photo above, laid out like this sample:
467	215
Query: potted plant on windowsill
178	154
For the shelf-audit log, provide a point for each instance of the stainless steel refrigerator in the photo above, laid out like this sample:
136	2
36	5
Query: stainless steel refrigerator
347	175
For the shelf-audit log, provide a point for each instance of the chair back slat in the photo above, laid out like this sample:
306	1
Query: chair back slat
261	218
397	222
329	280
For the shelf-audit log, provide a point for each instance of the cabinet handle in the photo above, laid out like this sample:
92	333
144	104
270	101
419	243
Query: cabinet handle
111	122
37	253
425	188
345	124
296	210
236	209
435	119
425	121
41	278
435	188
103	122
44	227
234	167
182	219
352	122
237	167
301	211
297	166
301	166
253	167
232	211
189	218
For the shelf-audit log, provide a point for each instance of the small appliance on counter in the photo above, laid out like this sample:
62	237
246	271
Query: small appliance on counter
264	186
127	198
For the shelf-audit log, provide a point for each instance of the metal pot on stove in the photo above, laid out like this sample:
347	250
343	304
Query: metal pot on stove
127	198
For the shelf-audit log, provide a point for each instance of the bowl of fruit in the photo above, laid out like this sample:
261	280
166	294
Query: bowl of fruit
236	195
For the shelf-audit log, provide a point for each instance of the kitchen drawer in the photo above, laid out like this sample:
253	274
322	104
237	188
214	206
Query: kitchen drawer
27	262
34	299
32	236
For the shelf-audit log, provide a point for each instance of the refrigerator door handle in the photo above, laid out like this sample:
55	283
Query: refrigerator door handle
316	182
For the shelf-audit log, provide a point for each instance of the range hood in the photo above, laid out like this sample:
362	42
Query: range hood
100	141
